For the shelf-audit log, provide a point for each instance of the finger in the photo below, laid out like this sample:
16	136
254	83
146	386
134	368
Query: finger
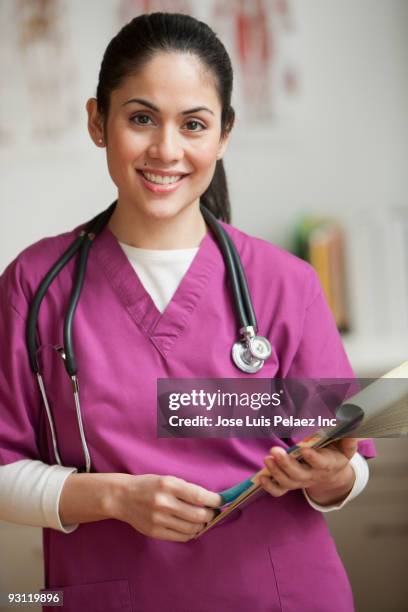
272	487
348	446
161	533
291	467
194	494
316	459
279	476
191	513
326	460
174	523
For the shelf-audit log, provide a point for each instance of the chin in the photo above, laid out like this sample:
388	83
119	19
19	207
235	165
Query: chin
164	209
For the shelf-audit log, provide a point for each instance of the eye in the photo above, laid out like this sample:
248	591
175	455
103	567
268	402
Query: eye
141	119
195	126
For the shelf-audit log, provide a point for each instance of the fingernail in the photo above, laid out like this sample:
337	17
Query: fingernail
279	450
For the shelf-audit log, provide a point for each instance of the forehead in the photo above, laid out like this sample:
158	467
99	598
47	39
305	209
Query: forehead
171	78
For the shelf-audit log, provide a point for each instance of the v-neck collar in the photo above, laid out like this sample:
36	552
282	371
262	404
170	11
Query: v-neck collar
161	328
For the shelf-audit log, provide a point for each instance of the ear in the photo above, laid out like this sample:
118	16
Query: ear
223	144
95	123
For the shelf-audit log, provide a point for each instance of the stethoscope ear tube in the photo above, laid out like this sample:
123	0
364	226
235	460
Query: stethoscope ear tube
83	243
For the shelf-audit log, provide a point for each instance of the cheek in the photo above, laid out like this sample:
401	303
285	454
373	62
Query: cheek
204	158
122	151
126	146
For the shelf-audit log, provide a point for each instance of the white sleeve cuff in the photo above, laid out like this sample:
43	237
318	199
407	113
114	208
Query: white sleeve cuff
360	467
30	491
51	497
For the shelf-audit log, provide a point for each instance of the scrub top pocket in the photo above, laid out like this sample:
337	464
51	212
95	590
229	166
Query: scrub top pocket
111	596
308	581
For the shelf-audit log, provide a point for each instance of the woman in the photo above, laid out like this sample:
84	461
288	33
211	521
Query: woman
122	536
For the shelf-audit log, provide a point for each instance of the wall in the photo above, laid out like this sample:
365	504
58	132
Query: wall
342	144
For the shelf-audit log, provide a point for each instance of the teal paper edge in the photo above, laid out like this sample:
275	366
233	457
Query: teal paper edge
232	493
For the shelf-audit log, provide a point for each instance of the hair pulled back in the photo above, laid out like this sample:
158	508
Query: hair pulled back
139	40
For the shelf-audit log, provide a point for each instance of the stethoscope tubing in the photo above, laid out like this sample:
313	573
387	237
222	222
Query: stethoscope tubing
231	258
243	283
95	227
31	327
242	301
70	361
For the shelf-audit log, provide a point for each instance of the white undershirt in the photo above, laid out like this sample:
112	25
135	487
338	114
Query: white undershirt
160	272
30	490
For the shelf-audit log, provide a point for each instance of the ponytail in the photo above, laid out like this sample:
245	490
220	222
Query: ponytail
216	198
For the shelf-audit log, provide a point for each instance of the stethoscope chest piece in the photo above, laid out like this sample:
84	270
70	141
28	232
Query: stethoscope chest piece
250	354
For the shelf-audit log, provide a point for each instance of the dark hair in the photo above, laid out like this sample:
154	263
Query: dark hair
138	41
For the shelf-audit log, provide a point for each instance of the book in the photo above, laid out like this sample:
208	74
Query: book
379	410
321	242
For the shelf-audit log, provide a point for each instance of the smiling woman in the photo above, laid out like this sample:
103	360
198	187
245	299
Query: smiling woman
163	144
155	304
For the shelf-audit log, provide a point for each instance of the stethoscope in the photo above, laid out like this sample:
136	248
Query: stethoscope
249	353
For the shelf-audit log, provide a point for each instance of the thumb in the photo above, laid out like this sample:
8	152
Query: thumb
348	446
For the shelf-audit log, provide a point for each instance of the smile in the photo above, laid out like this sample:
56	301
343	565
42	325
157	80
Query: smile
160	184
161	180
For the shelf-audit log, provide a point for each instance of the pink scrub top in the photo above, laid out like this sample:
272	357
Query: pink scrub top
275	554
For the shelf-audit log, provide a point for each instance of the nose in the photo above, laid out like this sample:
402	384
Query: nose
167	145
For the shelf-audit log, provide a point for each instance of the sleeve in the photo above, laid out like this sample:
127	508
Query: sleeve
361	471
320	353
20	400
30	491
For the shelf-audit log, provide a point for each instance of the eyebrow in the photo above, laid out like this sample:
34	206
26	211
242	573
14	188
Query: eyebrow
153	107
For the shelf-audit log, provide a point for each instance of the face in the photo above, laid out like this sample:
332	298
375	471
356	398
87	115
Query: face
163	134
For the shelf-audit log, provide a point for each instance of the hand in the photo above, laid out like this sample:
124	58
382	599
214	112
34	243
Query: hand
326	474
164	507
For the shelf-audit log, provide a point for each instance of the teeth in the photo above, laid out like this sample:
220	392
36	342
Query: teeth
161	180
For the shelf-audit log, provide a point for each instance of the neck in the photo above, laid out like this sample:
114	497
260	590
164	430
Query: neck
182	231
